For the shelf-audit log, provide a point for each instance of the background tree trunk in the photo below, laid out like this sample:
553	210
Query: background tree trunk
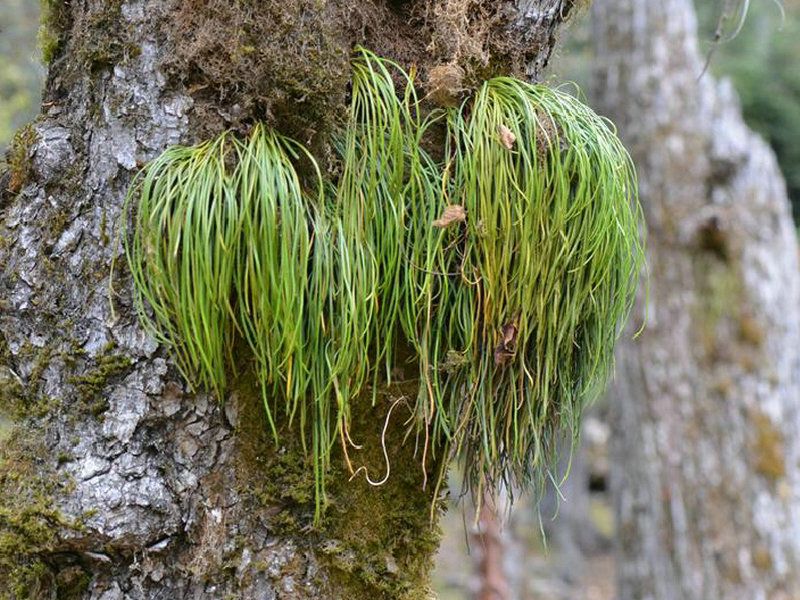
489	544
705	455
116	481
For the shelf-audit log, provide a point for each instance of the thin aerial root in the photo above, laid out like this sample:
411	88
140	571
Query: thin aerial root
385	452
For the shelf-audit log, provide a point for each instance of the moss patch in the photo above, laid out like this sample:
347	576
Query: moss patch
18	159
21	397
101	38
107	366
380	540
719	286
751	331
29	523
376	542
55	20
762	558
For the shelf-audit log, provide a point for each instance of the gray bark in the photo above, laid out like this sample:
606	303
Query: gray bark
145	489
705	467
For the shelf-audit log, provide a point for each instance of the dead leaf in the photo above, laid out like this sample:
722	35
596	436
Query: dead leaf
454	213
507	137
502	356
509	334
505	350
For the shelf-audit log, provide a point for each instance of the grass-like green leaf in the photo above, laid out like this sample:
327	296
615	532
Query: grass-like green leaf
508	266
541	276
183	254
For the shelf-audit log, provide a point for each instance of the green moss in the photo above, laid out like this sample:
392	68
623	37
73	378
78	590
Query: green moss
72	583
57	224
29	522
726	329
751	331
375	542
18	158
71	355
717	308
103	41
762	558
21	398
52	28
104	239
90	383
380	540
12	392
272	476
5	351
98	36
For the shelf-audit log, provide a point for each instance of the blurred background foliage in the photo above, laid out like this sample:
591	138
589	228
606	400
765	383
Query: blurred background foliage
762	60
21	71
763	63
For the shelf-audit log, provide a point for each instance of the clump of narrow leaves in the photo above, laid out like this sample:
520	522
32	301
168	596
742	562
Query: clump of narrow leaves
542	274
182	256
508	264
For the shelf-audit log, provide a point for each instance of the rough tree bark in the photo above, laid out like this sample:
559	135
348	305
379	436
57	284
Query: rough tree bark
116	481
705	451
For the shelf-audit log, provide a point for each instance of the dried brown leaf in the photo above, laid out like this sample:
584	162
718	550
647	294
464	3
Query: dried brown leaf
454	213
505	350
507	137
509	334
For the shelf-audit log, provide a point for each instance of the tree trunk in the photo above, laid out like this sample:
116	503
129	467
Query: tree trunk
488	546
705	446
116	480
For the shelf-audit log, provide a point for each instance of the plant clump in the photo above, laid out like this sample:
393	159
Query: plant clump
182	257
532	286
506	262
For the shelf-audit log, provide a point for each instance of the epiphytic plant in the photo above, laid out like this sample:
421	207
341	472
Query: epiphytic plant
508	263
533	285
182	256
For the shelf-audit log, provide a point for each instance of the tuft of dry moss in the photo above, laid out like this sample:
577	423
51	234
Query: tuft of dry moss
480	37
285	62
